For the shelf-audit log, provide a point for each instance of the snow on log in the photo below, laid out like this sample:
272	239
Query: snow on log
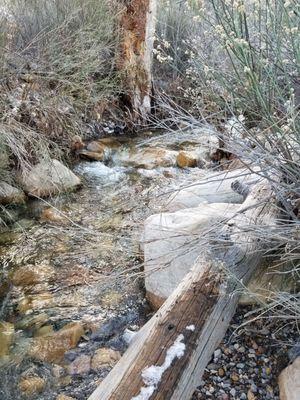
167	357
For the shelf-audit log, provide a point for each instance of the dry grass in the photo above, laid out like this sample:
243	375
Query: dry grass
57	75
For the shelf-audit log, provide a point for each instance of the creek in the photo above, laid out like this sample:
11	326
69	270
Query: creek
71	274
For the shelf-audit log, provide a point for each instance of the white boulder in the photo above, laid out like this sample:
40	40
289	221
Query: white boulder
173	241
10	194
49	177
214	187
289	381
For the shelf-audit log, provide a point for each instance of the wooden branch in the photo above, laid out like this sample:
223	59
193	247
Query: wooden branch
167	357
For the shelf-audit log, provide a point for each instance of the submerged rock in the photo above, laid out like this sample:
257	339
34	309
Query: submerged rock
49	177
11	195
7	332
53	347
148	158
81	365
33	274
64	397
50	214
289	381
172	242
32	386
105	358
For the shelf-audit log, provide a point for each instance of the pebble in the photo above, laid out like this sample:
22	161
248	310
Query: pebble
249	364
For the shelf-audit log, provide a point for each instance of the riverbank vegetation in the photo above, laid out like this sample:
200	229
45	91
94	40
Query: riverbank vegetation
57	63
235	64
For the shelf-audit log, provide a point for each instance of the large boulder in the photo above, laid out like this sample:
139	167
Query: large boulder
289	381
49	177
216	187
10	194
172	242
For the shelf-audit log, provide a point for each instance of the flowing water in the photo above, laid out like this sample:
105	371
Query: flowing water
70	277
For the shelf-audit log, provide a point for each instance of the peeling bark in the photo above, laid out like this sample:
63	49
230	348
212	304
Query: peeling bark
138	28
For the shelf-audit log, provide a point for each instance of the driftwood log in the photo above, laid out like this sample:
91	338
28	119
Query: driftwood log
167	358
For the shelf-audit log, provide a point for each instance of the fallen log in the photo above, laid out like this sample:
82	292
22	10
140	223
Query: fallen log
168	356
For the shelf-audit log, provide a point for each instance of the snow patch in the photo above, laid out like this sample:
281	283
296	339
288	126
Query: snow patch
128	335
190	328
152	375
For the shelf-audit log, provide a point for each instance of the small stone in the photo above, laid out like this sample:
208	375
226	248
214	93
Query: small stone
250	395
235	377
50	214
254	345
32	386
243	396
105	357
217	353
232	392
241	349
254	388
58	371
53	347
221	372
7	332
64	397
44	331
240	365
81	365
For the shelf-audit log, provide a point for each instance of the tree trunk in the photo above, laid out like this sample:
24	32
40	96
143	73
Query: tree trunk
137	30
178	341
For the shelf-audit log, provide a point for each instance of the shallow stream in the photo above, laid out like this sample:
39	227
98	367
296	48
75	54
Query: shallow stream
70	272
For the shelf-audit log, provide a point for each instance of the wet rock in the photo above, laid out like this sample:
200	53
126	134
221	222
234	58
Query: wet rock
76	143
33	274
171	245
113	327
53	347
50	214
289	381
91	155
11	195
7	332
64	397
32	321
44	331
100	150
81	365
47	178
149	158
36	301
105	358
32	386
187	159
212	188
